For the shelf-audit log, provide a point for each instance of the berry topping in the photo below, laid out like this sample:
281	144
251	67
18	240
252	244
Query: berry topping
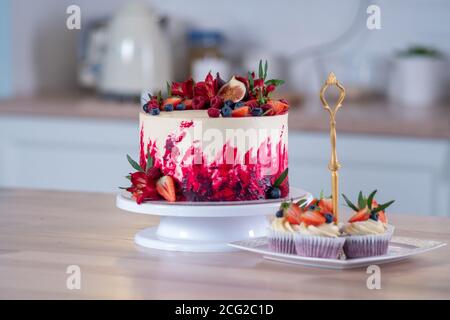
229	103
373	216
267	109
241	112
278	107
188	104
181	106
174	101
279	214
166	188
168	107
216	102
239	104
154	111
226	112
361	215
274	193
214	112
284	101
328	217
145	108
256	112
154	173
312	218
198	103
293	213
234	90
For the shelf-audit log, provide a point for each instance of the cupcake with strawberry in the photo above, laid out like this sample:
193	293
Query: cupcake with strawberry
367	232
280	233
316	232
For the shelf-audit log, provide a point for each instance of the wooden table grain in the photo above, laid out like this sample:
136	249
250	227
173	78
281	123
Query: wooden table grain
44	232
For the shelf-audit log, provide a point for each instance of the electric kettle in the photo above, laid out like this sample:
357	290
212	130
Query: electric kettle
137	54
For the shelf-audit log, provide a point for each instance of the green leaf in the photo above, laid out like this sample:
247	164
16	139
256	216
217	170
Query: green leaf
261	71
159	98
251	81
301	202
134	164
370	199
383	206
266	66
349	203
275	82
361	202
149	162
281	178
123	188
321	195
169	90
128	177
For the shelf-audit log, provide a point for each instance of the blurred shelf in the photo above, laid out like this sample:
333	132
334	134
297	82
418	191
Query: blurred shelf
376	118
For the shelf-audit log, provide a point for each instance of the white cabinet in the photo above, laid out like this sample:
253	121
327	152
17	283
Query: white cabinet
89	155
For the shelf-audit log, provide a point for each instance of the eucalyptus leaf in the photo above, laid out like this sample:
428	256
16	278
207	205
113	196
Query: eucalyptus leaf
266	66
349	203
275	82
281	178
134	164
383	206
361	202
260	71
370	199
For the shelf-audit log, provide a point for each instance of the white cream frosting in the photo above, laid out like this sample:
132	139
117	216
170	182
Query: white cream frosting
365	227
324	230
282	225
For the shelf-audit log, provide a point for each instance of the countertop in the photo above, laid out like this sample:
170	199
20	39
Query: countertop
43	232
376	117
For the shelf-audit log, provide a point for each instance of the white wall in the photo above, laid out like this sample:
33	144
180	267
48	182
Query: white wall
44	51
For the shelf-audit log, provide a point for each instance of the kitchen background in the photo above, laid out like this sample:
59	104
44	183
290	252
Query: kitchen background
68	117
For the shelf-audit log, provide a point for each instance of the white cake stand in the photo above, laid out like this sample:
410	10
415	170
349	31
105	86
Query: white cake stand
203	227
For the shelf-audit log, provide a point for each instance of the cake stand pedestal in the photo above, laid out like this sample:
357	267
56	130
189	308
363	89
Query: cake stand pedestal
203	227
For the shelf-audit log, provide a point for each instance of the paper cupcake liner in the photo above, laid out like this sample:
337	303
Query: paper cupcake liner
368	245
318	247
279	241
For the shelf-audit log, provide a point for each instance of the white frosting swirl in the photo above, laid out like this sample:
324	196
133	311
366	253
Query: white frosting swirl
365	227
281	224
324	230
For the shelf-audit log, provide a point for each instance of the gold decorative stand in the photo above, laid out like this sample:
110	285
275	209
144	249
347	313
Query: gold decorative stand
334	164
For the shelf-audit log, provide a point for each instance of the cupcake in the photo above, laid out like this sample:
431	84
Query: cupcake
367	233
280	234
316	232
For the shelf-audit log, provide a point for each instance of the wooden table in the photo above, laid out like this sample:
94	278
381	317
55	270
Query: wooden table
43	232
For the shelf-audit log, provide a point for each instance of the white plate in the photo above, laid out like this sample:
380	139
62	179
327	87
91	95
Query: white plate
400	248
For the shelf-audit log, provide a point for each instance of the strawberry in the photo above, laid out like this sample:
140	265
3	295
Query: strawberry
312	218
361	215
326	205
278	106
166	188
172	100
293	213
188	104
243	111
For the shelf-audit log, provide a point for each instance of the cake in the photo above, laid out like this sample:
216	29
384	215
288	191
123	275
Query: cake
367	232
213	141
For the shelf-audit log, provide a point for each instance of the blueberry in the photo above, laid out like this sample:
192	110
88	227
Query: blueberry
145	107
274	193
279	214
229	104
312	208
256	112
180	106
374	216
154	111
226	111
168	107
239	104
328	217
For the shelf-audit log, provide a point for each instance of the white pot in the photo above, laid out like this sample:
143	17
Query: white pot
137	56
417	81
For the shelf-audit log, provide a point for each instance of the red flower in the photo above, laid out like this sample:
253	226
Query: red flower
208	88
142	187
183	89
198	102
216	102
259	83
270	88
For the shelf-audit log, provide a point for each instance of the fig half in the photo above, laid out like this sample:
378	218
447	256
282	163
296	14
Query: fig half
233	90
